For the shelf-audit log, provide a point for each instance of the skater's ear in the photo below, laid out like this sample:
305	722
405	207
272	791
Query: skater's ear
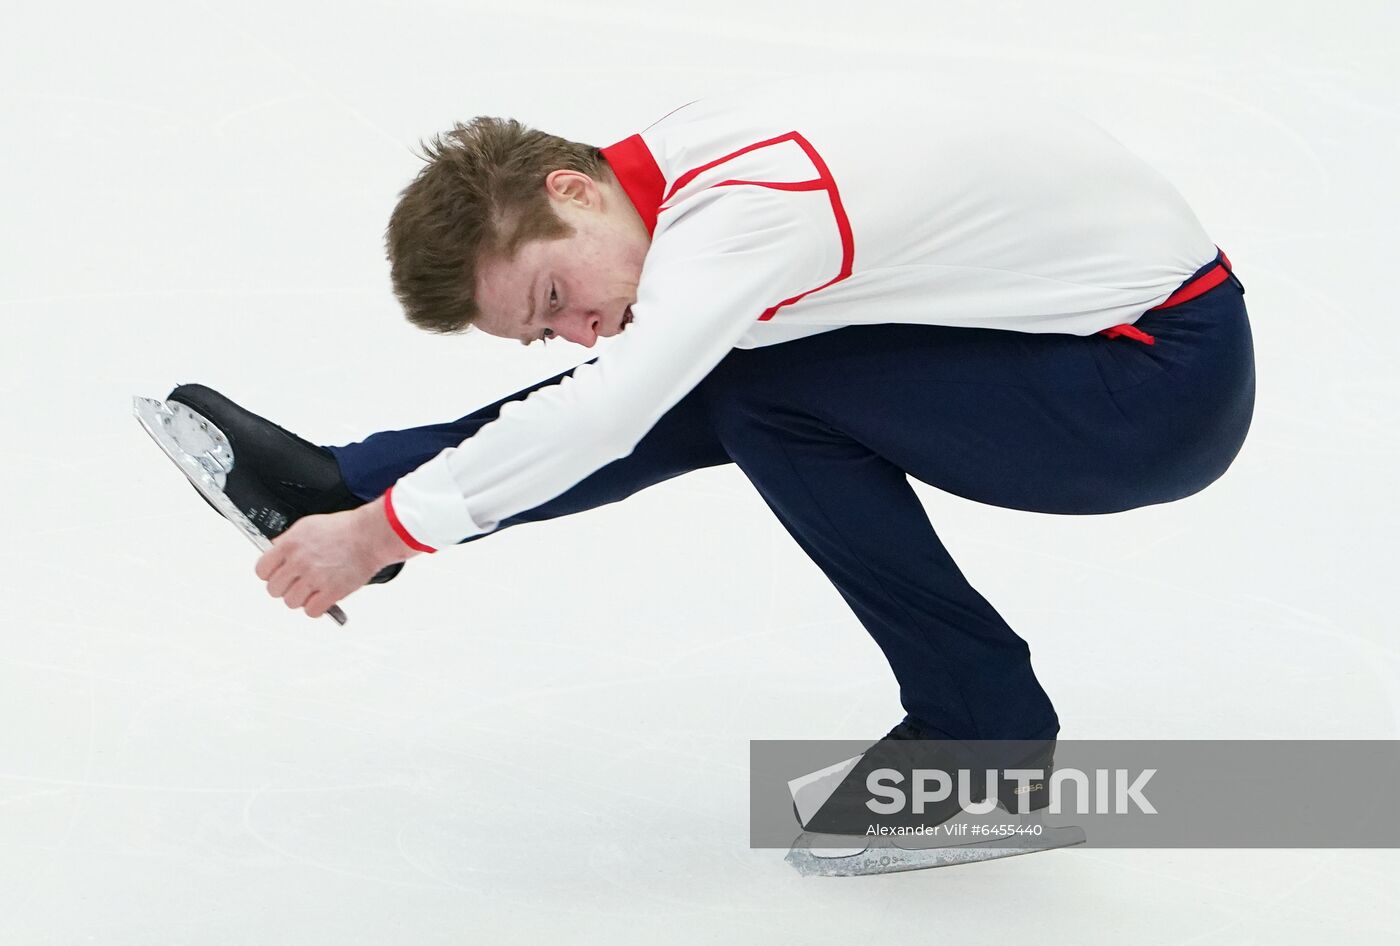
573	190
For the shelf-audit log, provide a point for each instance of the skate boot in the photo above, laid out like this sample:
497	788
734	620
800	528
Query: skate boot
271	476
914	801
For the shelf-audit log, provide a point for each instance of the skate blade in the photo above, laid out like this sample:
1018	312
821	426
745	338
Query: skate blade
886	858
202	453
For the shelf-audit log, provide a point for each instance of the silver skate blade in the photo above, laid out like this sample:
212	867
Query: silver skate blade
202	453
887	858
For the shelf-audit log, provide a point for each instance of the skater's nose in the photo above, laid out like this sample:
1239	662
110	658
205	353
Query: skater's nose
578	326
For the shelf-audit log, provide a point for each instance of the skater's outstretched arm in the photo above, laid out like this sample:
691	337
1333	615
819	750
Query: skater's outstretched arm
719	281
753	249
682	440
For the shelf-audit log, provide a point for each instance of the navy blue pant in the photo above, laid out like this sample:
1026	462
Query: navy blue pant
828	428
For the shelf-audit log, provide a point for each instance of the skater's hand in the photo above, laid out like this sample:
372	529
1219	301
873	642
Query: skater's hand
322	559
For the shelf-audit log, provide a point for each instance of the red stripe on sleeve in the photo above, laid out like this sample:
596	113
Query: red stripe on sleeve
397	526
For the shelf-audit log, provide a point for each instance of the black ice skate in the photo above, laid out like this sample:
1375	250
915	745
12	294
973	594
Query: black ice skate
843	835
257	475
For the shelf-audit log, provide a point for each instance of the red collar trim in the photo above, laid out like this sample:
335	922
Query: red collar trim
640	176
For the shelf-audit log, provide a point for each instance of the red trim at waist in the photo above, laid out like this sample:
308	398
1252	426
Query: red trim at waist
1197	285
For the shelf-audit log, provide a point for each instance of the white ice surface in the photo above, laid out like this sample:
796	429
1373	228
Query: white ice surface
543	737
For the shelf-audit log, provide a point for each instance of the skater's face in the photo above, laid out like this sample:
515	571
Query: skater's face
579	288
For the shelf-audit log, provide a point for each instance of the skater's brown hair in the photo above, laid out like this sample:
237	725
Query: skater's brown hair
481	195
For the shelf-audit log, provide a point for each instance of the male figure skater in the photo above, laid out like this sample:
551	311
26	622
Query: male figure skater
834	283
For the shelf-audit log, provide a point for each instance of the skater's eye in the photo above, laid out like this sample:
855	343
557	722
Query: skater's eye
548	333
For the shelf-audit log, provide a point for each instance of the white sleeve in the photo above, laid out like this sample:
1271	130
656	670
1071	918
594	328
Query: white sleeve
715	265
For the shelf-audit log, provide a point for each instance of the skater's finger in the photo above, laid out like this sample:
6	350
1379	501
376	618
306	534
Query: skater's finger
282	580
318	604
269	562
297	594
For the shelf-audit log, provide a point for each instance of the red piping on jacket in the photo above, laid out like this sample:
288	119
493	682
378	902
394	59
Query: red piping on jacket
641	179
637	171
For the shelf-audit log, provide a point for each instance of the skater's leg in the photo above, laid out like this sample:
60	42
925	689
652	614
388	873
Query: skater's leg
827	427
962	672
681	441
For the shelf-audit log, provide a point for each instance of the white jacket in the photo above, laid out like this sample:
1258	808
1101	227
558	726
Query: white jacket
806	205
